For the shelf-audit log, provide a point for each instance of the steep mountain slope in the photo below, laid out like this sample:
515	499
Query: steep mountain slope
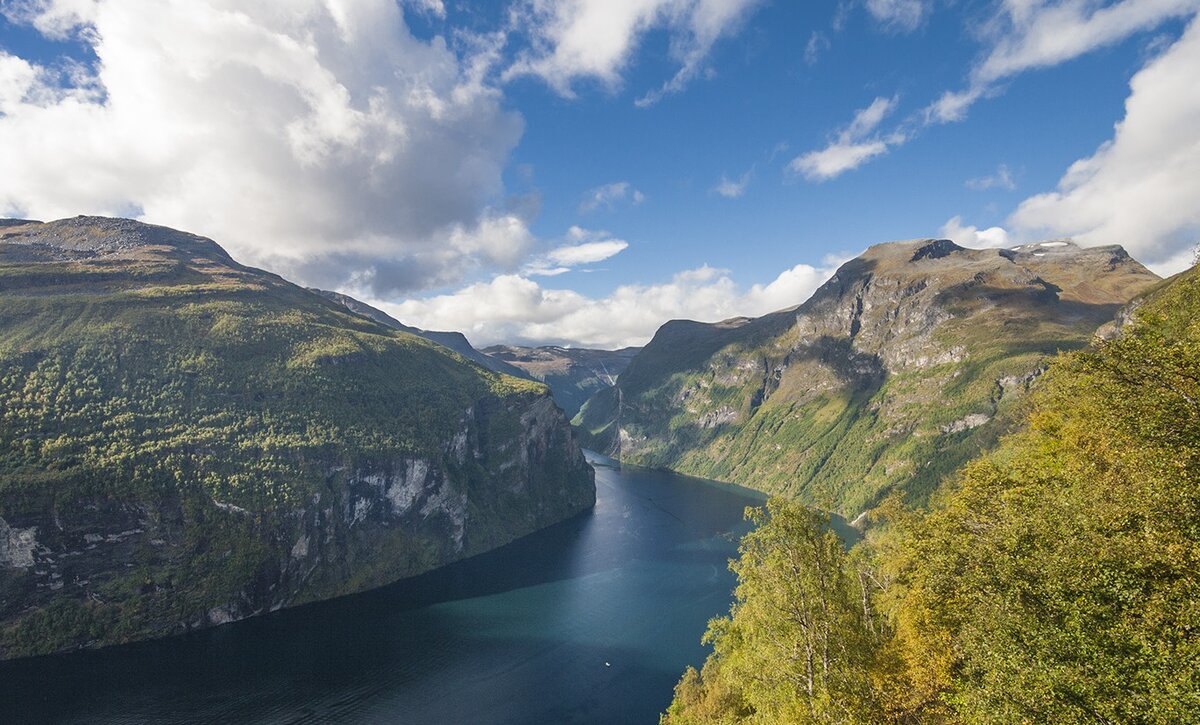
1051	580
456	341
185	441
898	369
572	374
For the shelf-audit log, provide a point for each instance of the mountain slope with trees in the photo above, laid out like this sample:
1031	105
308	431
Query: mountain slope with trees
904	365
455	341
185	441
1054	579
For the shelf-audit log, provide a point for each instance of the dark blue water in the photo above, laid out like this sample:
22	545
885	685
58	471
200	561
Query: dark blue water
591	621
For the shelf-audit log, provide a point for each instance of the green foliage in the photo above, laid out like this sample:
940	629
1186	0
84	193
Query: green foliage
798	644
210	408
899	370
228	387
1064	566
1055	579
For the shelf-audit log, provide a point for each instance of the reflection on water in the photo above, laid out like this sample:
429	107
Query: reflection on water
589	621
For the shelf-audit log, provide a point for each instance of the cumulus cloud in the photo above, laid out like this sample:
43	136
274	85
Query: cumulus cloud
1140	189
968	236
596	39
1028	34
516	309
854	145
1002	179
311	135
733	188
608	196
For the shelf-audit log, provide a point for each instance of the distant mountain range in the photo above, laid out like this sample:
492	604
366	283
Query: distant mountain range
909	361
572	374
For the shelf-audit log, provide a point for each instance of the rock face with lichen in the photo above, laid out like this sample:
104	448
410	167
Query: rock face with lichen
185	442
897	370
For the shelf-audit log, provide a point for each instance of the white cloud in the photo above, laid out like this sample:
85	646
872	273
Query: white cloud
852	147
1002	179
817	44
733	188
17	78
1140	189
315	137
973	237
1028	34
586	253
516	309
433	7
837	158
608	196
1021	36
596	39
952	106
583	247
900	15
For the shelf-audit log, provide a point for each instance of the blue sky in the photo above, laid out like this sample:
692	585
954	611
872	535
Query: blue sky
551	171
765	105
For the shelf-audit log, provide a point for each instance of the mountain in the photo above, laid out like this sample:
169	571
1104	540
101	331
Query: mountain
572	374
901	367
1053	579
185	441
456	341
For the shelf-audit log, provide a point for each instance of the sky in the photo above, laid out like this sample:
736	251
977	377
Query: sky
578	172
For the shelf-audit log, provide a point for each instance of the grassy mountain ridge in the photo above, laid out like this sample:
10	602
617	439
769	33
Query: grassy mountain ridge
455	341
901	367
185	441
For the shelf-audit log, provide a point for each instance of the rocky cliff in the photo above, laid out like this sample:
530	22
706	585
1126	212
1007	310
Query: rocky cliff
572	374
185	441
901	367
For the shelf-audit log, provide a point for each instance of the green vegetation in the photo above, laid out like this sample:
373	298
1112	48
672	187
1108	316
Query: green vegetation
192	440
895	373
799	642
1054	579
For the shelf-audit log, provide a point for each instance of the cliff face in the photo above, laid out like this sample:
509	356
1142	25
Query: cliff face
901	367
572	374
185	442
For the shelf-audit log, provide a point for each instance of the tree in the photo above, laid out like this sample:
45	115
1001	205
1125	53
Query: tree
796	647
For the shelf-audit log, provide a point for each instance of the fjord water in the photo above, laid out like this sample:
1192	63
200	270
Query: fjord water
592	620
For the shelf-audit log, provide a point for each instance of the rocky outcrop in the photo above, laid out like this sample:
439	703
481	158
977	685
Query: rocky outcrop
899	368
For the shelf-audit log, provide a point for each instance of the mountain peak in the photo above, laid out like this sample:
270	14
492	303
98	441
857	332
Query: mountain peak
912	250
95	236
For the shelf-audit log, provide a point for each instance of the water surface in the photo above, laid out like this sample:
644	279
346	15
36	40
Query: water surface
590	621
